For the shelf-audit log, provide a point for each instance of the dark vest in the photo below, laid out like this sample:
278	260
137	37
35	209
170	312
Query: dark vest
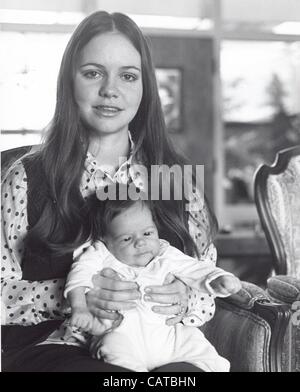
37	264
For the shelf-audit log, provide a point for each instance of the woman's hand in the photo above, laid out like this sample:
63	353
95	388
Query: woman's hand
111	294
174	293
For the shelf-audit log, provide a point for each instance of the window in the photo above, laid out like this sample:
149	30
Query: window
261	114
28	84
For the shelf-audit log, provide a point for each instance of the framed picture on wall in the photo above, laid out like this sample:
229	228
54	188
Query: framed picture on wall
169	82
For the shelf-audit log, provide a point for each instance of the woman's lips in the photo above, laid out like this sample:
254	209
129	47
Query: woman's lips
107	111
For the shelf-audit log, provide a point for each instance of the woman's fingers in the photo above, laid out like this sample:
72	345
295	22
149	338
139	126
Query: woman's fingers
110	294
170	278
174	320
109	279
174	294
178	310
96	301
118	321
164	289
116	296
174	298
110	273
168	310
112	300
171	285
115	306
104	314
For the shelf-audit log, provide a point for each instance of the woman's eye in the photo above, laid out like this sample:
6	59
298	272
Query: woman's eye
126	239
92	74
148	233
129	77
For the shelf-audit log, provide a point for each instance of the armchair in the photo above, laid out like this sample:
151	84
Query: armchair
248	328
277	198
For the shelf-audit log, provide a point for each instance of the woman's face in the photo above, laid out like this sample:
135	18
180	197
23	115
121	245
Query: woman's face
108	83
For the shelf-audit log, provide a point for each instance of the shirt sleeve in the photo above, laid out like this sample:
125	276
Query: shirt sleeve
87	263
23	302
197	274
201	306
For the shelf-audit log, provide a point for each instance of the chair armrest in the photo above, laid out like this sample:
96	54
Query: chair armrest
285	289
248	329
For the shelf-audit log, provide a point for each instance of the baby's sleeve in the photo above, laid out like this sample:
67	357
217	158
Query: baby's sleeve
87	263
201	304
201	308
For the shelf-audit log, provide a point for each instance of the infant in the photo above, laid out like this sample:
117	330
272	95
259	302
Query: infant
131	246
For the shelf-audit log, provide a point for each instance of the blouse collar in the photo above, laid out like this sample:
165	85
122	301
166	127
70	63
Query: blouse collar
129	171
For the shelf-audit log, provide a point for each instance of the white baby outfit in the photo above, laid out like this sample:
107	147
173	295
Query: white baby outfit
143	341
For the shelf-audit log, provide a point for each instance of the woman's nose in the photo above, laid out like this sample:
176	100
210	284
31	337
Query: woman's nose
108	88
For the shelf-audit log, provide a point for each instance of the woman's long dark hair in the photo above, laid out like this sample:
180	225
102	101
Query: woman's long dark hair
62	224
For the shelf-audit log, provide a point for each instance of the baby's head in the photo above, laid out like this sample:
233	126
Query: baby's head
129	231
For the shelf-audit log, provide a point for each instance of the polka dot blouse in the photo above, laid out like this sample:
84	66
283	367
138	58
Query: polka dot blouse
31	302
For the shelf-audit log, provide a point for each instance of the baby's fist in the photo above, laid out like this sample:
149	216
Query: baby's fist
226	285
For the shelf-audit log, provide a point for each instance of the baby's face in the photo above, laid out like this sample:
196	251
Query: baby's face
133	237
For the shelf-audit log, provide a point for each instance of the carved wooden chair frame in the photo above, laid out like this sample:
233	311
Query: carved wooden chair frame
264	208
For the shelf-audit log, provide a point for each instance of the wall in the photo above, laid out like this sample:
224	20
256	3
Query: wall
194	56
260	11
43	5
188	8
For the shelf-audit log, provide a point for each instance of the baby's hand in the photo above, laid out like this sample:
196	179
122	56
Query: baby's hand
82	318
226	285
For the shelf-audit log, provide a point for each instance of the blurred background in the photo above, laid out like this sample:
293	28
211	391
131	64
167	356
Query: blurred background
229	80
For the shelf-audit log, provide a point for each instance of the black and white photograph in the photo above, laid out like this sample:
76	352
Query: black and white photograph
150	189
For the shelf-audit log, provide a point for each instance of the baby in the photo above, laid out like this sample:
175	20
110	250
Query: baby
143	341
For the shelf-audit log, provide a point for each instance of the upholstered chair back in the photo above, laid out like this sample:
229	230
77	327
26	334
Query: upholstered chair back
8	157
277	197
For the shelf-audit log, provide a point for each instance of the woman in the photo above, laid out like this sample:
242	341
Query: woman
106	87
